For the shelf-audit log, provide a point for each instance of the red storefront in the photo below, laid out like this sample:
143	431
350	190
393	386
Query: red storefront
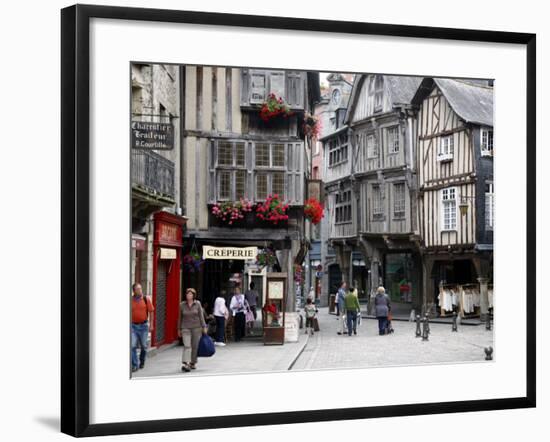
167	245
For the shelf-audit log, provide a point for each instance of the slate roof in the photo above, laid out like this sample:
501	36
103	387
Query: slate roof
473	103
401	88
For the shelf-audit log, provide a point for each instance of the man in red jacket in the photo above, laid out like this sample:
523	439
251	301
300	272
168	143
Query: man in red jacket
142	324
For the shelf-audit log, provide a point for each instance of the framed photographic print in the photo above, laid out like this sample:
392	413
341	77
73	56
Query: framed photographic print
225	175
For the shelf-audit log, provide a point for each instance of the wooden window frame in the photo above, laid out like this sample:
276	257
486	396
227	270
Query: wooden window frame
339	150
445	151
391	142
399	214
343	212
490	217
377	203
446	200
375	147
487	147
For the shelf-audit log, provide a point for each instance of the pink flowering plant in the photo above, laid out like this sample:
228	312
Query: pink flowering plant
273	209
311	126
231	212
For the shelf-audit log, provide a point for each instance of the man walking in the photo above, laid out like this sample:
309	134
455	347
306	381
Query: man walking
341	307
142	324
352	310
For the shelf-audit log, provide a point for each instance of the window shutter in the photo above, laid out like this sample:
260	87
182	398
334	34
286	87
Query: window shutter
295	82
245	87
211	161
277	84
258	86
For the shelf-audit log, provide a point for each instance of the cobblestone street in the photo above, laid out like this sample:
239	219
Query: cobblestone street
326	349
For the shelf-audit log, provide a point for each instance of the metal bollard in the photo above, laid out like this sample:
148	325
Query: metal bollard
425	331
427	319
488	322
488	353
455	325
418	332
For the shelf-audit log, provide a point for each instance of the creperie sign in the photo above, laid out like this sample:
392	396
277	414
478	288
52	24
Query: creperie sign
244	253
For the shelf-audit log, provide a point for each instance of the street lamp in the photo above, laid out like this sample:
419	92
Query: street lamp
463	206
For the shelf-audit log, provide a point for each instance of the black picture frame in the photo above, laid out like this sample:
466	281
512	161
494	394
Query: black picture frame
75	213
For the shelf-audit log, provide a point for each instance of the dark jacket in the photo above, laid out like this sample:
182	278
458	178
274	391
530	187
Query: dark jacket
381	305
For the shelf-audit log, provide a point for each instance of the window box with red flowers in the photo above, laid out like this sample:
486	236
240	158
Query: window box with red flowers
274	108
231	212
273	210
314	210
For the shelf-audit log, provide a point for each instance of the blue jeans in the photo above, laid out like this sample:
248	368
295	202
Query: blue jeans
220	328
351	318
382	324
139	338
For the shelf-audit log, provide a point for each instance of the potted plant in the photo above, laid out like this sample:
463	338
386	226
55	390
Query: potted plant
192	262
231	212
266	258
311	126
273	209
314	210
273	108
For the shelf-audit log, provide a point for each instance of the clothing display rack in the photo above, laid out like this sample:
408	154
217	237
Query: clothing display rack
469	300
448	299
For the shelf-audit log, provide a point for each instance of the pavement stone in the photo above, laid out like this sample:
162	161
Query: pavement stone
247	356
326	349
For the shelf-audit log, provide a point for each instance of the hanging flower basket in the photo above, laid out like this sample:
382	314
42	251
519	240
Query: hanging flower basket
273	108
314	210
266	257
311	126
231	212
192	262
273	210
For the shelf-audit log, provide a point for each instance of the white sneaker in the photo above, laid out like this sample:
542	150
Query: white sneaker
221	344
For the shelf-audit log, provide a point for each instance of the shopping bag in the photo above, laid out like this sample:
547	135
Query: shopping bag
249	316
206	347
315	324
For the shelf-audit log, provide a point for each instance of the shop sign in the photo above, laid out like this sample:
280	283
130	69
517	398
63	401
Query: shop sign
148	135
167	253
168	233
243	253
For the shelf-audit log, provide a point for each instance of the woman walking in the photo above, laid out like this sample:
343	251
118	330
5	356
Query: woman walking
221	313
191	325
382	308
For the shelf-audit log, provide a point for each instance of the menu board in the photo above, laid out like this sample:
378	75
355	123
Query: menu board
275	289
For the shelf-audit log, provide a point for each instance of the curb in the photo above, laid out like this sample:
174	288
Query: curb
298	354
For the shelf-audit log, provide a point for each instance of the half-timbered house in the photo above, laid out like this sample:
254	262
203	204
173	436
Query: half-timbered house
371	184
230	152
455	176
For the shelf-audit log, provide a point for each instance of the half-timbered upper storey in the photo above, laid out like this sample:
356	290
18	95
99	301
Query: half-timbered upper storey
455	151
230	152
